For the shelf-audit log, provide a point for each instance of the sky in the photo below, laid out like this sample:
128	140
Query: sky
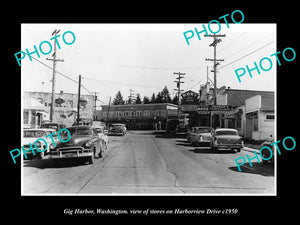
143	57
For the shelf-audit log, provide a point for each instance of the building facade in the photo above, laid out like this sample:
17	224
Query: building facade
36	108
251	112
139	116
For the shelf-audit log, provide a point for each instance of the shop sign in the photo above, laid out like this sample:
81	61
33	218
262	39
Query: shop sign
189	98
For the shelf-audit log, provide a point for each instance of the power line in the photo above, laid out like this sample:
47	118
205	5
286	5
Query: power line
121	83
246	55
51	68
234	41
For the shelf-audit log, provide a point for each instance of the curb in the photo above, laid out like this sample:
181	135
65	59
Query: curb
250	149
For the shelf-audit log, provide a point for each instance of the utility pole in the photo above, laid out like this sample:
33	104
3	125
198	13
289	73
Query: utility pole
178	81
95	104
215	60
131	96
108	113
53	76
78	101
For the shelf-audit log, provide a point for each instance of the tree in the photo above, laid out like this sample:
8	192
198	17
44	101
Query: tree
146	100
138	99
175	100
118	100
153	99
165	95
158	98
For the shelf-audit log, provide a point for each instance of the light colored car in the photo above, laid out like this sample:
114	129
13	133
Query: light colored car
200	136
226	139
31	135
102	134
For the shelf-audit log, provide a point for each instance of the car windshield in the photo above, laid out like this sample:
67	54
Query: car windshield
226	132
202	130
116	127
99	130
34	133
80	131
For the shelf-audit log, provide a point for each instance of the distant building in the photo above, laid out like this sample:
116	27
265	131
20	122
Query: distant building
36	108
251	112
139	116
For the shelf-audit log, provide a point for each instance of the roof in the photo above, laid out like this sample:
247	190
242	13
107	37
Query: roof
140	105
39	129
237	97
225	129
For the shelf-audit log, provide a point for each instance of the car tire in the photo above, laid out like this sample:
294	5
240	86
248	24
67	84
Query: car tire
238	150
41	155
91	159
100	154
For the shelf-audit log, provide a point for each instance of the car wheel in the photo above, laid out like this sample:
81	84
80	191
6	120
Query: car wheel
91	159
41	155
238	150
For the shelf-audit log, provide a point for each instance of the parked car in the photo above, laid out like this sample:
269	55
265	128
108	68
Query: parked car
102	134
227	139
56	126
117	129
84	143
266	153
31	135
181	128
200	136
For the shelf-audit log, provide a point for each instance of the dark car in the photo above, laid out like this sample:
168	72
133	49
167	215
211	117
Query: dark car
226	139
117	129
84	143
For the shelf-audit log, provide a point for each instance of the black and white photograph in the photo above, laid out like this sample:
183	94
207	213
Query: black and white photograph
149	109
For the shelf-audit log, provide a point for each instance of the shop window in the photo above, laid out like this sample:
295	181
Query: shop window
26	116
270	117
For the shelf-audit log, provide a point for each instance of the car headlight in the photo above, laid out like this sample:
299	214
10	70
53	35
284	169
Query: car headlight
38	144
88	144
51	146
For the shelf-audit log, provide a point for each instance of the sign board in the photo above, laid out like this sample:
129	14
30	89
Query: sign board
189	98
204	109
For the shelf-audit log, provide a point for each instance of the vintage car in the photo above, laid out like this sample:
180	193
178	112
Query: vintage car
118	129
84	143
226	139
31	135
200	136
266	154
102	134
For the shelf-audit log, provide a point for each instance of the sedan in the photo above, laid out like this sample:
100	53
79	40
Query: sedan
31	135
226	139
200	136
84	143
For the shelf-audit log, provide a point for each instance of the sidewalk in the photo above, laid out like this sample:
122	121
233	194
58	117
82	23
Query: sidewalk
250	149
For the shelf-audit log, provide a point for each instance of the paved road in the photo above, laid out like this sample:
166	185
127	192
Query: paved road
144	163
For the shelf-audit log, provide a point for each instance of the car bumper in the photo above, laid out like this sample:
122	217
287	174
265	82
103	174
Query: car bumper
71	152
203	143
116	134
228	146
